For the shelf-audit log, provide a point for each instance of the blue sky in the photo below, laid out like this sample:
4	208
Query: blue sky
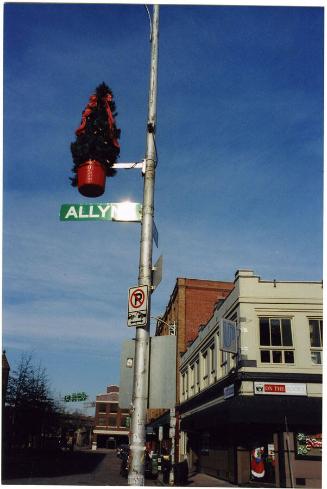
238	183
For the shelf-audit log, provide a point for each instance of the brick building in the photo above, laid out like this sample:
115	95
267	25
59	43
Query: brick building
111	424
191	305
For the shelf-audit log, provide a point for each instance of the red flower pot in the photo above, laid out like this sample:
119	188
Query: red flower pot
91	178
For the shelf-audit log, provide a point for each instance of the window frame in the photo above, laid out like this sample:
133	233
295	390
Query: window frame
316	349
102	408
275	350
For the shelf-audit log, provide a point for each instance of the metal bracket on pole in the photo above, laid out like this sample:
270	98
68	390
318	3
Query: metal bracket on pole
130	166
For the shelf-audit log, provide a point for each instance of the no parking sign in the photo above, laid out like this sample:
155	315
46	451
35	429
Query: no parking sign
138	306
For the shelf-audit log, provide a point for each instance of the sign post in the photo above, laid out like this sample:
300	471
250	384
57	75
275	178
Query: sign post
140	391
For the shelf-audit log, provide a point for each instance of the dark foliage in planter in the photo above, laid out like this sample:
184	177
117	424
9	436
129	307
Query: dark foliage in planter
97	136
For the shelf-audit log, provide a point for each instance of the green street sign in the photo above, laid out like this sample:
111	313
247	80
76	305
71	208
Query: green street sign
120	211
76	397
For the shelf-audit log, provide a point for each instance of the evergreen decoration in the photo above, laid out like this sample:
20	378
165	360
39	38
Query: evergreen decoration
97	137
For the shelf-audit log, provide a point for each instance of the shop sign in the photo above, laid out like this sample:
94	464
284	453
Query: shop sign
307	446
229	391
279	388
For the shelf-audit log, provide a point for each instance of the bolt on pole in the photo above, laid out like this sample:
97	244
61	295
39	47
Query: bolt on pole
140	385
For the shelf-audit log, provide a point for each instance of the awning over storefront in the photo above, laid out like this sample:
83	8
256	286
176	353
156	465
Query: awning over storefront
269	410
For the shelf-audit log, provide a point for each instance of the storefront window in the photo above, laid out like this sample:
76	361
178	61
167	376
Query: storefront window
308	446
205	443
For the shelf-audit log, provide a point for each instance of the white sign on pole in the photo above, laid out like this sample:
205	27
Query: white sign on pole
138	305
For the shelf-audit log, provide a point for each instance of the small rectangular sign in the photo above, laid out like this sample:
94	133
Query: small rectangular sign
138	305
228	335
279	388
119	211
229	391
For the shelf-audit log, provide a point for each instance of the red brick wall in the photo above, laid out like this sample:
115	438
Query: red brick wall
200	299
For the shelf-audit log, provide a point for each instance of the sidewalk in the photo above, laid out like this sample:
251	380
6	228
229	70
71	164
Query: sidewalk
199	479
203	480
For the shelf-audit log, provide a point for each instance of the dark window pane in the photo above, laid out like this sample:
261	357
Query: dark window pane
113	407
124	421
316	357
287	332
112	420
276	339
277	356
289	356
264	332
102	408
321	331
265	356
314	332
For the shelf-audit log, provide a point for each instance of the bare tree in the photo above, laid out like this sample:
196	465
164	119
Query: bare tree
31	413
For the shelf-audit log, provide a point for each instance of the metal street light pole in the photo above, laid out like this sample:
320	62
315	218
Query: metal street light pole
140	386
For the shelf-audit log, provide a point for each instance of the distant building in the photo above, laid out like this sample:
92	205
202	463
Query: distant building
111	422
190	305
255	414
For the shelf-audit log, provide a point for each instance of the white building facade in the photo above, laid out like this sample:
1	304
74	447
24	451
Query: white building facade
255	414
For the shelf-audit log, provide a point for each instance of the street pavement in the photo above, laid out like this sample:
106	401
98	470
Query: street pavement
84	468
87	468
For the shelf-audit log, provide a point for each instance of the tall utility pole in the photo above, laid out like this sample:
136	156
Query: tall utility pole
140	386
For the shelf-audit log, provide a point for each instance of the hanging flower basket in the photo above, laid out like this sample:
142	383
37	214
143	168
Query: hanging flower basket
96	148
91	178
